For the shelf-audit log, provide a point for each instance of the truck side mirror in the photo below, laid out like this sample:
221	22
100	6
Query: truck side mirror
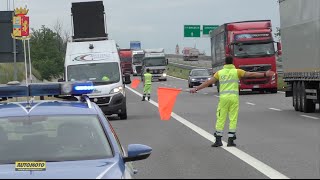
60	80
167	61
279	47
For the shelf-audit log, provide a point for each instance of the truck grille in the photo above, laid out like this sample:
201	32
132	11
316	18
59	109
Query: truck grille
157	71
256	82
256	68
138	68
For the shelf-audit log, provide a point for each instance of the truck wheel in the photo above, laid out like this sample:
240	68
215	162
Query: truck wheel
274	91
299	96
307	105
295	96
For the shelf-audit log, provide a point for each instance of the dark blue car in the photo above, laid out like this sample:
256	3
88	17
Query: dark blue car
73	139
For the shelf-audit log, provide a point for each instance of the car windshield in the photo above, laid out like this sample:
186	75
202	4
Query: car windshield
137	58
96	72
52	139
200	73
155	62
248	50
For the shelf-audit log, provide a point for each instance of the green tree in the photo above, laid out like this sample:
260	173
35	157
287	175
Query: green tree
47	52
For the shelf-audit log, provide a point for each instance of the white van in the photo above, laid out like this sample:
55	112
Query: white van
99	62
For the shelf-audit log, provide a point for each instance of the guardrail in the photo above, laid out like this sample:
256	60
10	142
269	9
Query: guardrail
178	56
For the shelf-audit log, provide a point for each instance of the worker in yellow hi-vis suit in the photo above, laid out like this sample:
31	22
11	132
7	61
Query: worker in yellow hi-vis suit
147	85
228	79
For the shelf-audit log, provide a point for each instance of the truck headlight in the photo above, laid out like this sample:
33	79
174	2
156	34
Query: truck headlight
209	79
117	90
164	75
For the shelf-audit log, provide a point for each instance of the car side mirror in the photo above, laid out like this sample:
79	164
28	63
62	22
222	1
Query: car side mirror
127	79
137	152
279	47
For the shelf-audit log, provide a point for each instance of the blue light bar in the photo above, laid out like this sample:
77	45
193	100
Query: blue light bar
82	88
46	89
49	89
13	91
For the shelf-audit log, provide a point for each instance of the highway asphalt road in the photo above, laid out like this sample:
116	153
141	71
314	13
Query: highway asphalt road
273	141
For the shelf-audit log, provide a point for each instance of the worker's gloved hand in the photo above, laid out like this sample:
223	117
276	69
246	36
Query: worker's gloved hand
270	73
193	90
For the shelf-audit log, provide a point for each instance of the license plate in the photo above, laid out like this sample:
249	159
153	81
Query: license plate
256	86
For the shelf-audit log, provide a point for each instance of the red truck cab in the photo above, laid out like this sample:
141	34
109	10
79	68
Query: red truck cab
126	60
251	45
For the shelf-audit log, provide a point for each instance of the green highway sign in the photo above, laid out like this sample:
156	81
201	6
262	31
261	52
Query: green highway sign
208	28
192	31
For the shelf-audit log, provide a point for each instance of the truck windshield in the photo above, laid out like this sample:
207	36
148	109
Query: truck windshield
137	58
249	50
155	62
125	59
97	72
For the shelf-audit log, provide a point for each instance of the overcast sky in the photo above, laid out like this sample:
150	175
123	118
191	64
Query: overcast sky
156	23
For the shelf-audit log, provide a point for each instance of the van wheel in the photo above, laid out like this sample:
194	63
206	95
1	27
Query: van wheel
295	96
123	116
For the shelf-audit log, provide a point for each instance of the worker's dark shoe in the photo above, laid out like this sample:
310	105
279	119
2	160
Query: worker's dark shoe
231	142
143	98
218	142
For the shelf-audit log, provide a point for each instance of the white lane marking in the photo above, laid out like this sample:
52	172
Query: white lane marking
216	96
281	92
255	163
249	103
275	109
105	171
205	93
311	117
177	78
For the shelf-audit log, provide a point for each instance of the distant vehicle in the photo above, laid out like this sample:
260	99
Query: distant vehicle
126	61
71	139
198	76
251	45
190	54
155	60
300	37
137	57
135	45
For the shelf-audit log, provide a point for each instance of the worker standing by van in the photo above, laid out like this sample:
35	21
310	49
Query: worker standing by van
147	85
228	79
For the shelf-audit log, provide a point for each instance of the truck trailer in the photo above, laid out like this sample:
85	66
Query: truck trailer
300	36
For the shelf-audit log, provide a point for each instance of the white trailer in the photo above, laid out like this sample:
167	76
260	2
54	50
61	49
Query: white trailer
300	35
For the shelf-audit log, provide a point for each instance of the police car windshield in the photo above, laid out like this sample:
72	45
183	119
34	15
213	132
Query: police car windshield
155	62
96	72
52	138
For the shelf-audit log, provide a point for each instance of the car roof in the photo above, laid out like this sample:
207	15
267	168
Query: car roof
38	108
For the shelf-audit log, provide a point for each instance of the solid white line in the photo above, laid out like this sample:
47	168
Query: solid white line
177	78
311	117
249	103
255	163
216	96
105	171
281	92
275	109
205	93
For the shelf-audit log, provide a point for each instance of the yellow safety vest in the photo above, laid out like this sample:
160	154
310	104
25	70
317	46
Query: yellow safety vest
228	80
147	78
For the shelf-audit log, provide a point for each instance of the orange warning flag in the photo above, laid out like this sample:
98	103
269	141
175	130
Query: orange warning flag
166	99
135	83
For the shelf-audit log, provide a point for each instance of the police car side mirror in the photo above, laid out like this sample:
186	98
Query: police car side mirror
127	79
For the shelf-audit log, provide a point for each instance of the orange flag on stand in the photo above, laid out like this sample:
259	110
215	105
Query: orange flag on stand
135	83
166	99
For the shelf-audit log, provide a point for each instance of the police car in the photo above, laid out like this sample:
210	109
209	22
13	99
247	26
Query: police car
60	139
